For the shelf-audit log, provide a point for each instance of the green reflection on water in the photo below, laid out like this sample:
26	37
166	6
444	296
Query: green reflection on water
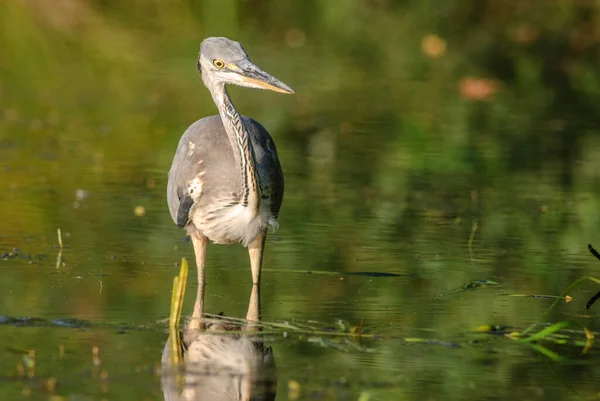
390	156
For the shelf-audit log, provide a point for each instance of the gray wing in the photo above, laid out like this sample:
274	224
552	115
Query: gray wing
204	152
269	167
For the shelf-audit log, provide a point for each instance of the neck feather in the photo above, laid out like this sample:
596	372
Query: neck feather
242	148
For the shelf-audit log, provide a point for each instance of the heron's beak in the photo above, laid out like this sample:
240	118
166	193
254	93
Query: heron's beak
253	76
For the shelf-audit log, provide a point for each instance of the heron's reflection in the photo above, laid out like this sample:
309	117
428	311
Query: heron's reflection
223	362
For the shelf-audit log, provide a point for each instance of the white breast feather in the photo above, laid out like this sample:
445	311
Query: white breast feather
234	224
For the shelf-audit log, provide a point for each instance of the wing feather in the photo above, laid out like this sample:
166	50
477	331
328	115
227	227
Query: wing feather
183	212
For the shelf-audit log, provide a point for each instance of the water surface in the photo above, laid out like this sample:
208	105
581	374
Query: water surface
448	145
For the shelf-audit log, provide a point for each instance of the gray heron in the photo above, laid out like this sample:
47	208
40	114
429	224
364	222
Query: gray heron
226	183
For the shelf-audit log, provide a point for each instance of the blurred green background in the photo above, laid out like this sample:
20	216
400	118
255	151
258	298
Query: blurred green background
445	140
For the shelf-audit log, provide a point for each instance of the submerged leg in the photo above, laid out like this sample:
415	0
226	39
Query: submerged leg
200	242
255	249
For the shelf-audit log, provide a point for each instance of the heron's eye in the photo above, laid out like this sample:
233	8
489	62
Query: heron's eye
218	63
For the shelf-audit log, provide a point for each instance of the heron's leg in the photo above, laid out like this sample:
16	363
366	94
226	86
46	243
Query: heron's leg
200	242
253	314
255	249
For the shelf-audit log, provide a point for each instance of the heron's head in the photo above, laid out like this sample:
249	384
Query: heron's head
223	61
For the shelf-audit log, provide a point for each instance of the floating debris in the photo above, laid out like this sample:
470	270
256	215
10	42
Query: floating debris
543	334
378	274
551	335
336	273
430	341
60	248
81	194
491	328
470	286
566	298
357	331
13	254
71	323
60	241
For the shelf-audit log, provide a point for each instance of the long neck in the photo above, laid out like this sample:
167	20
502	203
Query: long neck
241	146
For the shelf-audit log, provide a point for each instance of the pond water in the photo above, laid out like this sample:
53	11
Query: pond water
440	172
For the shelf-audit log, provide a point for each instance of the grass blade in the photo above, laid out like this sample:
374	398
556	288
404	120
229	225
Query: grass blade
546	332
179	284
569	288
546	352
